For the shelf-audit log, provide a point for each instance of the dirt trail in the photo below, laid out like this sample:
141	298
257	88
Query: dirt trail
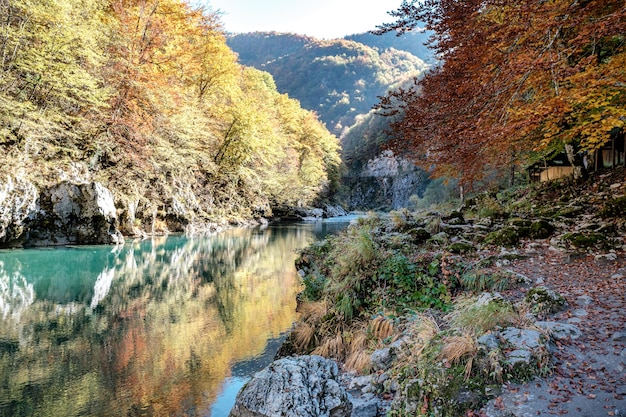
589	377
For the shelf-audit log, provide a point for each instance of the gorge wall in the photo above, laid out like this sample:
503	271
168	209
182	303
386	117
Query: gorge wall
386	182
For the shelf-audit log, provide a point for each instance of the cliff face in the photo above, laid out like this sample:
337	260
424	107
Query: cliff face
386	182
66	213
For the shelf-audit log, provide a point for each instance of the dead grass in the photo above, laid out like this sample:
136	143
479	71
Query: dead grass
358	358
303	334
381	328
480	319
422	331
313	312
456	348
332	347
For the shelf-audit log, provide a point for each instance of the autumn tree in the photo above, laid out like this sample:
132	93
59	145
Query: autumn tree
146	97
517	80
50	55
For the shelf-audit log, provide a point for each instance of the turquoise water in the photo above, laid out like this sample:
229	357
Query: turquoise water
161	327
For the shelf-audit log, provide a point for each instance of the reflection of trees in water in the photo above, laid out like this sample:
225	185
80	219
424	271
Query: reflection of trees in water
159	335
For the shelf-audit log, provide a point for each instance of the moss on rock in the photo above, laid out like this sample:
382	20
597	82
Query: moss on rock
585	240
507	236
543	301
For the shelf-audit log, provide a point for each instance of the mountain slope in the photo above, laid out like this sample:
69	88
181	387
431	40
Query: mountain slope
339	79
411	42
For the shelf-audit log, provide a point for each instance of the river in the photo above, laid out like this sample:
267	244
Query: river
170	326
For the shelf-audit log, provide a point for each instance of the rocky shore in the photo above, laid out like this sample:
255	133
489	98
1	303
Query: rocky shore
513	290
77	212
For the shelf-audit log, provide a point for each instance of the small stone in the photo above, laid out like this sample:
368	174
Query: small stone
489	341
359	381
559	330
363	407
619	337
383	377
606	256
615	186
574	320
540	281
581	313
519	356
584	300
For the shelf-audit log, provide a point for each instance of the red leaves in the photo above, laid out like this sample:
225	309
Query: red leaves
516	77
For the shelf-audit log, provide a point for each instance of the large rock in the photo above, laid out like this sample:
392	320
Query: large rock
304	386
18	200
386	181
71	213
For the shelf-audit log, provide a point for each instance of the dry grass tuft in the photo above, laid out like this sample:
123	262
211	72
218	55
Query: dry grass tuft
358	358
459	347
422	331
313	312
381	328
480	319
303	335
332	347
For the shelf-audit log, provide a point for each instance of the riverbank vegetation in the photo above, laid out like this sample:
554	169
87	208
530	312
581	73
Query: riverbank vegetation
432	293
147	98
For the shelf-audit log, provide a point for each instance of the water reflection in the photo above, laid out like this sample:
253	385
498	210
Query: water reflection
149	328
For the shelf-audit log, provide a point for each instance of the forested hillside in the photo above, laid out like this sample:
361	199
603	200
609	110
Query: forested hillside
339	79
414	42
146	97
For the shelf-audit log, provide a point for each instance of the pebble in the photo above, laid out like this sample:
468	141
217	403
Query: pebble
619	337
581	313
584	300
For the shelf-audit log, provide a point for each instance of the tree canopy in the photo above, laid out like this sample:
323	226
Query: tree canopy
147	97
518	79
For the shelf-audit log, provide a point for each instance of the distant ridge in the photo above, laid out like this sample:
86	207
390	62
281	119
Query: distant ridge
340	79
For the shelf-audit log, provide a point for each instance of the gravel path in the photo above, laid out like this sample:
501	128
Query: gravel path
589	377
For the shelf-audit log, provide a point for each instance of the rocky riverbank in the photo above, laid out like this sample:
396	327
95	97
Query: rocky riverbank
79	212
483	311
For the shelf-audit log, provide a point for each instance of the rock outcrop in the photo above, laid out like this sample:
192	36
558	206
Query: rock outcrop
18	199
304	386
66	213
387	182
74	214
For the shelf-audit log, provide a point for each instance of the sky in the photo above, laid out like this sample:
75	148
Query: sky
323	19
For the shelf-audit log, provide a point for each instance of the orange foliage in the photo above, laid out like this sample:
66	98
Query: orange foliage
516	78
157	56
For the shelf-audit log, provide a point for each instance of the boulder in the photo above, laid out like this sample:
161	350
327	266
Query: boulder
304	386
71	213
523	338
543	301
382	359
18	200
334	211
